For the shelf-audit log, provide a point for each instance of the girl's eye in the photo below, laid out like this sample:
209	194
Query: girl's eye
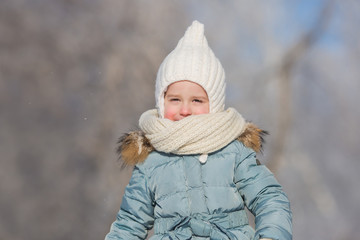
198	100
174	99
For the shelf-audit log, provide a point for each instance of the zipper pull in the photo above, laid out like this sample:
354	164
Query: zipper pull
203	158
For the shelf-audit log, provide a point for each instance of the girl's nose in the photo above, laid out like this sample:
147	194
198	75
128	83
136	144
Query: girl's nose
185	110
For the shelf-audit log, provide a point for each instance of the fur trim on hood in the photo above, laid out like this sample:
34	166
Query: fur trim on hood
134	147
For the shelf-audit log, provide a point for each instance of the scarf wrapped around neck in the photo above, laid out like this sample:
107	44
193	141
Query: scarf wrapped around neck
195	134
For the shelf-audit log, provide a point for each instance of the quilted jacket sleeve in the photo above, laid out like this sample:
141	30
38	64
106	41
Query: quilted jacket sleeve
264	197
135	216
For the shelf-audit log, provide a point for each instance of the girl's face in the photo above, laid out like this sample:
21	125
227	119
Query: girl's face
185	98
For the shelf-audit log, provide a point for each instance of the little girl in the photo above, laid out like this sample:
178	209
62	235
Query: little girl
195	167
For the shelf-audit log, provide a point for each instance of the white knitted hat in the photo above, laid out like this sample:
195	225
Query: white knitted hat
192	60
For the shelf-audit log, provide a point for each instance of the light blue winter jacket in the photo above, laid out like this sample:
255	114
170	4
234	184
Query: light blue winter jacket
185	199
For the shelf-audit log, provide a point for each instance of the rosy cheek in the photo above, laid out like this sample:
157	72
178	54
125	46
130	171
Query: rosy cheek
169	114
203	110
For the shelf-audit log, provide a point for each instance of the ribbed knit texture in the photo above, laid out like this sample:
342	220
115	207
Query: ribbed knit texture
192	60
196	134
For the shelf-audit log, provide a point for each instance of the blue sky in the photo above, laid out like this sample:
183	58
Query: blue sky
300	16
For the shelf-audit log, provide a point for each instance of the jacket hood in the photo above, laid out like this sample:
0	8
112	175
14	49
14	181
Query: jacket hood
134	147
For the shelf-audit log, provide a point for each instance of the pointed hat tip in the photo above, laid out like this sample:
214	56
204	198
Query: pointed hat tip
195	33
196	22
196	25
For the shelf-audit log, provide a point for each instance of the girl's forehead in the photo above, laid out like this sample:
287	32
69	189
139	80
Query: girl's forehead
184	84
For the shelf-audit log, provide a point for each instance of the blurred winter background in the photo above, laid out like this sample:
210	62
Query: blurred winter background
77	74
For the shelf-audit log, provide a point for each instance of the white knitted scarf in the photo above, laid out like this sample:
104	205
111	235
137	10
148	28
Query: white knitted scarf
196	134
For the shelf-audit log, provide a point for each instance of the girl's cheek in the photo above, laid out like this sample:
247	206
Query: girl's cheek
169	113
202	110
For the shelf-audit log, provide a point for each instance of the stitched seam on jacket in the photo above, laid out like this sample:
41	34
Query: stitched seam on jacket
203	188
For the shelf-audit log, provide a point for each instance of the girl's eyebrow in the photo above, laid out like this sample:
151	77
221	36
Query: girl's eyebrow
203	97
171	95
200	97
177	95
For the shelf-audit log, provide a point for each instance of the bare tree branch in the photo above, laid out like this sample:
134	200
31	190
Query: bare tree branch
284	76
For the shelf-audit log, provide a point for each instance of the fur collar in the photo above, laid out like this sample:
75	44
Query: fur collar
134	147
